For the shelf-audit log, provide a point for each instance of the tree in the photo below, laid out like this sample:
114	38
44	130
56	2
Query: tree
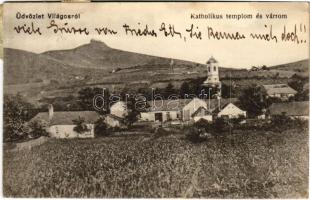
101	127
227	91
253	100
264	67
169	90
86	98
302	96
133	113
271	100
195	85
254	68
296	84
16	112
219	125
184	89
146	92
38	128
81	127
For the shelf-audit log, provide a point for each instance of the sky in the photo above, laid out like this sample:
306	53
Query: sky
230	53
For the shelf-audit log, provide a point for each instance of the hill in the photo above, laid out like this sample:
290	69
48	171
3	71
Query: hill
62	73
22	67
98	55
299	66
89	61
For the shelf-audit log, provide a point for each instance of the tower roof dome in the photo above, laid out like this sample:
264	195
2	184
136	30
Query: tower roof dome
211	60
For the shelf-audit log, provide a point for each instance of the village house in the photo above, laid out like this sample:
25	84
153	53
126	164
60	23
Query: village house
296	109
61	125
202	113
230	111
281	91
181	110
196	109
164	110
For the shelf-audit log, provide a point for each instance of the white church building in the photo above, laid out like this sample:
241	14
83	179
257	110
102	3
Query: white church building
213	73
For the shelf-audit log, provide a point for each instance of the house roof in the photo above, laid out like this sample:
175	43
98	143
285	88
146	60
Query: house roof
67	117
178	104
279	89
297	108
212	60
226	105
199	109
167	105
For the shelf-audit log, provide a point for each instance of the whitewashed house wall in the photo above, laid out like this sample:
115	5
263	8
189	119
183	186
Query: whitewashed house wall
67	131
147	116
172	114
231	111
150	116
191	107
206	117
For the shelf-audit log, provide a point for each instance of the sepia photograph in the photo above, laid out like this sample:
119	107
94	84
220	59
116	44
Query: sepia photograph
156	100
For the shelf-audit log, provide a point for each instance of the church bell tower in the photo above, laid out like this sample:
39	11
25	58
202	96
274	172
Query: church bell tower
213	79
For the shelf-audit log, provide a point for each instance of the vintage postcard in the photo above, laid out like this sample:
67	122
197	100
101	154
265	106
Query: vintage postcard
156	100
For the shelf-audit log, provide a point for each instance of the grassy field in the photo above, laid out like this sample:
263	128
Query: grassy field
251	164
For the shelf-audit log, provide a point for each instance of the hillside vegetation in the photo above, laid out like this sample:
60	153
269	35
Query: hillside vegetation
300	66
62	73
87	62
94	63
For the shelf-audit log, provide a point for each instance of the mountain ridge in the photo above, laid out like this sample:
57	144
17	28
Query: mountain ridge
97	60
85	60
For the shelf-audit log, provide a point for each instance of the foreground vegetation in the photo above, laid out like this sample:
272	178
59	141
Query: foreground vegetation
257	164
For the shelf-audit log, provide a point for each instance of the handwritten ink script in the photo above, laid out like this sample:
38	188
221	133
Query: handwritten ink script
296	33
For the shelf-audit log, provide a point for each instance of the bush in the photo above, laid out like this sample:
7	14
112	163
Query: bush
16	112
19	134
196	135
81	127
282	122
202	123
253	100
160	132
221	125
101	128
114	129
236	122
38	128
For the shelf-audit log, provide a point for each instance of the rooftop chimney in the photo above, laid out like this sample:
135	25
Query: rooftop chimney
50	111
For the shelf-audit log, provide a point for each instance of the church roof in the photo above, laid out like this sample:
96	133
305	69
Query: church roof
211	60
